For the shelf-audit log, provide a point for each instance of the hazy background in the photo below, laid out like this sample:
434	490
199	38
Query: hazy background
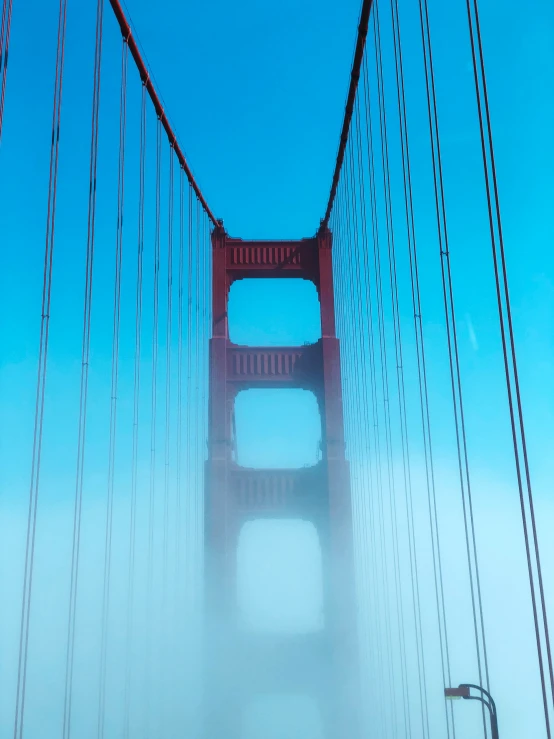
256	93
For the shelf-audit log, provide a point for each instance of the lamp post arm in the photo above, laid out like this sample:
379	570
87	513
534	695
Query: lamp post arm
492	711
486	693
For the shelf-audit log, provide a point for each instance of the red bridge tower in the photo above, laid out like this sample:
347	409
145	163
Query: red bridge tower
241	664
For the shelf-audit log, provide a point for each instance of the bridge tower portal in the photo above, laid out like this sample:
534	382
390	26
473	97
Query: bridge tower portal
239	664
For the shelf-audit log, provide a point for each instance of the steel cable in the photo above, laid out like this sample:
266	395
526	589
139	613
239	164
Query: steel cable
114	391
517	424
5	28
153	429
453	357
26	601
136	418
85	358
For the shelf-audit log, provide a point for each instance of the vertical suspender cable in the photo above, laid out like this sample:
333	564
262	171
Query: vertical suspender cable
19	715
165	655
453	356
340	304
178	571
410	230
153	418
114	390
189	492
379	515
509	353
377	535
168	369
350	271
81	437
391	254
5	28
203	373
375	516
360	484
136	415
180	367
187	547
429	465
197	367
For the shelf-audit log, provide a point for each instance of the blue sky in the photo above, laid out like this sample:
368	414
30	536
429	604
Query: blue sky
255	91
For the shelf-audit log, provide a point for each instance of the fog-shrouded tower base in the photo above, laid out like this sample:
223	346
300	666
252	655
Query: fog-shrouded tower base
240	664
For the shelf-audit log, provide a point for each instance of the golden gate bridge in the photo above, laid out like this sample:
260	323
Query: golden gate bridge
158	285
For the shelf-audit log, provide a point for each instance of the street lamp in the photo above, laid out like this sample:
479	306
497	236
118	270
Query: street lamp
464	691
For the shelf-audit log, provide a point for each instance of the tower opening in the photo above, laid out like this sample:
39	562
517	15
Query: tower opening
277	429
279	577
273	312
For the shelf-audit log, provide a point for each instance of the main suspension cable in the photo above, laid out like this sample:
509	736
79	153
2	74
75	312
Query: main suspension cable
352	90
127	33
